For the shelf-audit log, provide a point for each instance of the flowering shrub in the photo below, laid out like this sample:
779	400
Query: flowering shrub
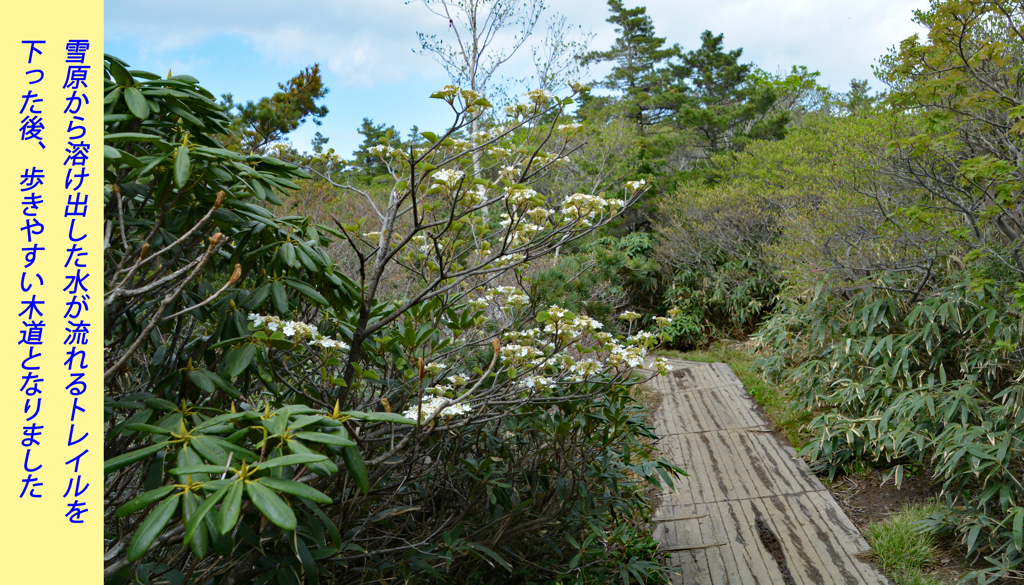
284	422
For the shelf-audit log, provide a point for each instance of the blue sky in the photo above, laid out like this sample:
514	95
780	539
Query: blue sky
365	48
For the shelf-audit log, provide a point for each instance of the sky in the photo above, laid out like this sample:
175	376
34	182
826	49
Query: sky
365	48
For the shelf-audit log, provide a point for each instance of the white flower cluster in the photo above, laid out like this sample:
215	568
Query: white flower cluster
629	316
539	96
296	329
448	91
538	382
570	329
448	176
384	151
643	338
570	127
460	144
469	95
582	207
636	185
434	404
509	259
569	349
512	295
421	243
519	354
434	368
661	365
538	214
632	356
458	380
471	198
519	196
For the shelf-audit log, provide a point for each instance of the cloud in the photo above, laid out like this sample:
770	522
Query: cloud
366	47
366	44
839	38
362	43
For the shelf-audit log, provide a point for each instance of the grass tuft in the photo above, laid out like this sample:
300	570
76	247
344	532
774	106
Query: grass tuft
901	548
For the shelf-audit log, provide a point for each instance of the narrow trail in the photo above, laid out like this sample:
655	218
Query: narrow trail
751	511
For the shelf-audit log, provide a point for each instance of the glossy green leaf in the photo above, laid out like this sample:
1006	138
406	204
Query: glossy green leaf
279	298
210	450
258	297
190	469
200	539
288	254
1018	529
182	167
296	489
200	513
231	507
380	417
140	502
356	468
327	467
151	527
201	380
223	384
306	290
326	439
144	428
239	453
238	359
131	457
273	507
136	102
291	460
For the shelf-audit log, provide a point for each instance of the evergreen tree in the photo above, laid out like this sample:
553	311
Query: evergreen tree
366	163
716	98
858	100
256	125
639	56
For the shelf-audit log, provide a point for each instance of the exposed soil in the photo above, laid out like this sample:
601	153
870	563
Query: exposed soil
865	500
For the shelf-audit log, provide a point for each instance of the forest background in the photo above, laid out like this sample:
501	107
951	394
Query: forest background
270	312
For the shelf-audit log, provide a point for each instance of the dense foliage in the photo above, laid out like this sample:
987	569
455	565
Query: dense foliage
417	365
877	251
273	418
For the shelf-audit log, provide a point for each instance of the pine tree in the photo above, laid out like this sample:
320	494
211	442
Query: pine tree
257	125
639	57
366	163
716	98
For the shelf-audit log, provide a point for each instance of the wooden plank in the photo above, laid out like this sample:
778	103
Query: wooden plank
749	552
740	476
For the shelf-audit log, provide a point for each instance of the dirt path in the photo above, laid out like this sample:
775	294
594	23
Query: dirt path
751	512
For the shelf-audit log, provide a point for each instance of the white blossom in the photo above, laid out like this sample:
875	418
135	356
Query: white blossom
661	364
434	368
448	176
433	404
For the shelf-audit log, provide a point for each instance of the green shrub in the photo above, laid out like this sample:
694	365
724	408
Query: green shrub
272	419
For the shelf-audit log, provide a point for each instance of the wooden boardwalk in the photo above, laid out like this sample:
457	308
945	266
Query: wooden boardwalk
751	511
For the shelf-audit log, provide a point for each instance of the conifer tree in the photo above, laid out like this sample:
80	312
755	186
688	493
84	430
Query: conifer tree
639	58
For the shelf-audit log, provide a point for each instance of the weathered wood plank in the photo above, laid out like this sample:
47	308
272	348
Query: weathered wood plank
751	511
